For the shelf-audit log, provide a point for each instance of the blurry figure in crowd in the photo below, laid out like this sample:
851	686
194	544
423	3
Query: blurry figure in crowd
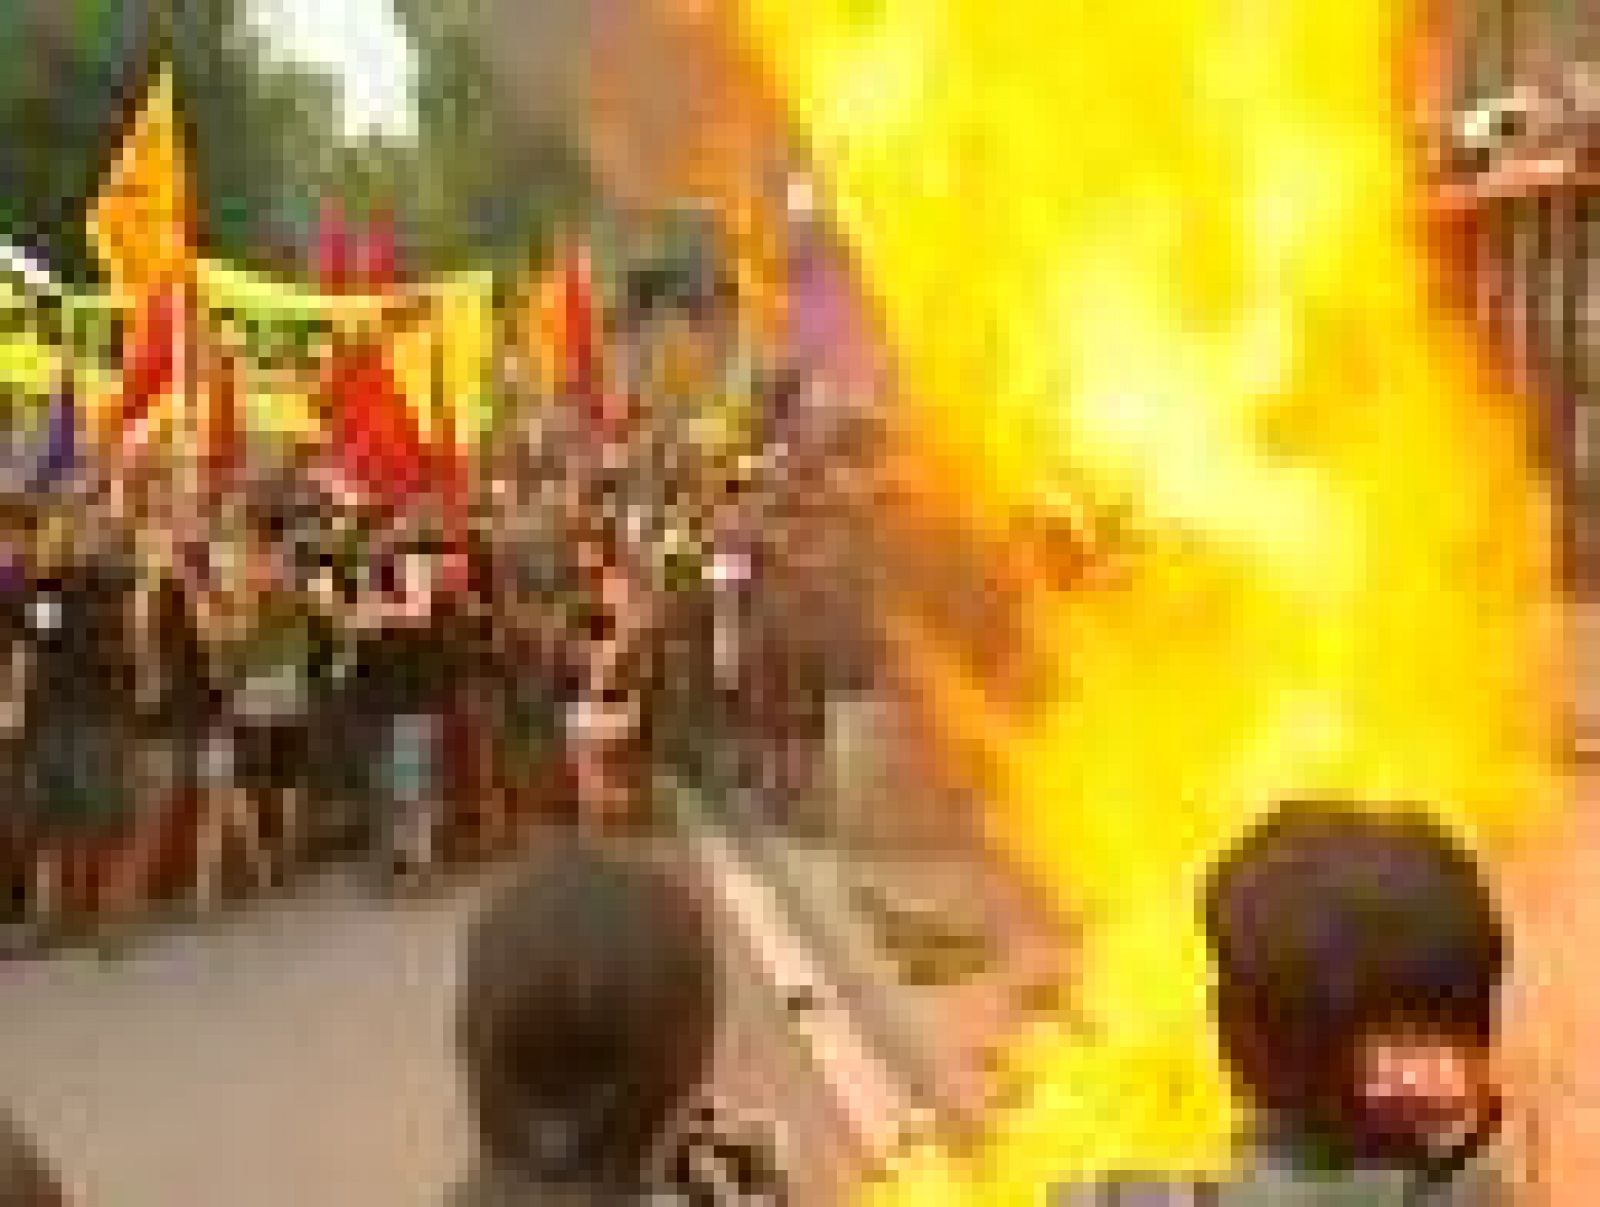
399	670
15	823
607	666
587	1021
174	702
26	1179
1359	961
342	539
467	630
80	683
526	566
225	603
271	671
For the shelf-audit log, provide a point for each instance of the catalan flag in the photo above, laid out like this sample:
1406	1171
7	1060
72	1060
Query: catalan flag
142	225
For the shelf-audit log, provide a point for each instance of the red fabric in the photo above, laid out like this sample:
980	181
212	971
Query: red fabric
150	356
580	323
375	439
335	255
380	270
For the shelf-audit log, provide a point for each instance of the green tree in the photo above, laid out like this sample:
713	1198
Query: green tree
68	64
490	184
475	188
262	136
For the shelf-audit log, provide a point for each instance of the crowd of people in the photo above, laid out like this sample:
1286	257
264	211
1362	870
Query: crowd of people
205	693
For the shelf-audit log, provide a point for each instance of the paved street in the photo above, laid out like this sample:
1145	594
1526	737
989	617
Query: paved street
301	1054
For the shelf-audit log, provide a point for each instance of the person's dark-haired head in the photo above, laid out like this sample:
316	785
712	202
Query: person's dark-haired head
588	1015
26	1179
1359	956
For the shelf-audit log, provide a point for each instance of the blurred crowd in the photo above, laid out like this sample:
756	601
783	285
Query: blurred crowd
206	694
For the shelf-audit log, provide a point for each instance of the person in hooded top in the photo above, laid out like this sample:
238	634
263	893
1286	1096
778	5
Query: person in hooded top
587	1020
1359	960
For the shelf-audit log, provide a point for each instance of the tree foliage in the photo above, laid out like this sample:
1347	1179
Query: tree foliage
491	182
475	188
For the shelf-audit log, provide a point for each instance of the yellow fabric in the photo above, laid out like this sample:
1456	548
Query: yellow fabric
141	223
542	327
412	355
464	319
27	363
467	321
685	367
458	345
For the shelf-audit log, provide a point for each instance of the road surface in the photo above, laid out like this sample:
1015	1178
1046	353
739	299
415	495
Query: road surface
301	1053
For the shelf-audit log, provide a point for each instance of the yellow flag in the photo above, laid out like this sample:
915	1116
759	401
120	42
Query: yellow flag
754	237
467	319
543	326
450	356
141	225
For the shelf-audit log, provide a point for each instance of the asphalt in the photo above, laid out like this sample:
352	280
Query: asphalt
300	1053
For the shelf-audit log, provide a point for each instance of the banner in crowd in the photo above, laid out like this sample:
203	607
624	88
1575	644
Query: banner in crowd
463	323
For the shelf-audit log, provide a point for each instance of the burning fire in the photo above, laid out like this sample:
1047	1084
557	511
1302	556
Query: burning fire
1156	277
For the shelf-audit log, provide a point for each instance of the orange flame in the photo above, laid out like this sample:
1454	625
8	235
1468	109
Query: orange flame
1155	278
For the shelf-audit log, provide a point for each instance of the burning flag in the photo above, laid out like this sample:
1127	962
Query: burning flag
1167	261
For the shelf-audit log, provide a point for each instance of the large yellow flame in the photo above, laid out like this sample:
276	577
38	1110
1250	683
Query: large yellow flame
1164	256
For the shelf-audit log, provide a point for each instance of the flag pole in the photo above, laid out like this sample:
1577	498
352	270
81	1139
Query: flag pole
69	331
187	444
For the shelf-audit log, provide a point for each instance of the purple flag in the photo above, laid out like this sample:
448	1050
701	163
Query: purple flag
59	457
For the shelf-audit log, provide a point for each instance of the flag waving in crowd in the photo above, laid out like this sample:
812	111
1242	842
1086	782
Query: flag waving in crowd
563	333
142	227
374	435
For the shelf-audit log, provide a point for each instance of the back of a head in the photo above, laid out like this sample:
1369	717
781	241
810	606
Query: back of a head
26	1179
1333	922
588	1015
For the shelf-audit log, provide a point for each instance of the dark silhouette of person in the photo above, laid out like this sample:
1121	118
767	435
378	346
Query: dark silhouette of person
1359	958
587	1020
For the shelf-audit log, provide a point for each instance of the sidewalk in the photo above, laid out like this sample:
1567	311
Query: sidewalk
1553	894
936	954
